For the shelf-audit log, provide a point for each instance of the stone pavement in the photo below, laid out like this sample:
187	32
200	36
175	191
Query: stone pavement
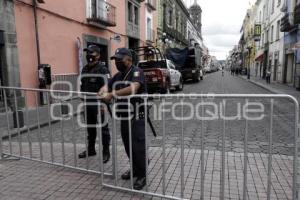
23	179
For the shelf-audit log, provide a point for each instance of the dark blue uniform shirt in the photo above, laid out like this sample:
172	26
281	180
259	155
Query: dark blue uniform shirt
135	74
90	82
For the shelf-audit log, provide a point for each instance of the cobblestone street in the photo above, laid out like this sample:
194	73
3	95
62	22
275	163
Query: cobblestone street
23	179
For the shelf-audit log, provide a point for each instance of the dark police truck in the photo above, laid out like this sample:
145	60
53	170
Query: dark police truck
188	61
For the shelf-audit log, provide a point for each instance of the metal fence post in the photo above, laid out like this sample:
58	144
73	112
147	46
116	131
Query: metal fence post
114	145
222	178
270	151
182	187
295	162
39	126
18	124
7	121
146	141
245	159
100	145
164	151
202	153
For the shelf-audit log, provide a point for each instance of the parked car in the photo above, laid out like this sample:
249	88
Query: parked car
176	80
154	65
207	69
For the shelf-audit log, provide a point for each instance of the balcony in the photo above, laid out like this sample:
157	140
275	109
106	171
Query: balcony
169	30
133	30
151	4
99	12
150	35
285	25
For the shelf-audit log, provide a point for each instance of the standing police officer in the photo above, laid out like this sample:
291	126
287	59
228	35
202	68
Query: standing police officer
129	80
92	81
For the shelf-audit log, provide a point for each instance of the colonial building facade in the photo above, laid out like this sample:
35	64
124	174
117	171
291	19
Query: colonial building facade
172	24
55	33
262	43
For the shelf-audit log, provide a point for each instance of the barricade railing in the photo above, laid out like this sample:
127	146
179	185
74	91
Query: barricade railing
260	104
47	133
196	135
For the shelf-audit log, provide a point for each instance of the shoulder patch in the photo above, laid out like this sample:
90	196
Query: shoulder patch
136	74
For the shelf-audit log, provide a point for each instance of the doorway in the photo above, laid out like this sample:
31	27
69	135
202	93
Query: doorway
288	69
133	44
2	60
275	70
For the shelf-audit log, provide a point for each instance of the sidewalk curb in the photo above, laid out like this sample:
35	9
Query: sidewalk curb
262	86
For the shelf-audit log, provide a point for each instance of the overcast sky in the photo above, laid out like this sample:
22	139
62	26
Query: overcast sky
221	22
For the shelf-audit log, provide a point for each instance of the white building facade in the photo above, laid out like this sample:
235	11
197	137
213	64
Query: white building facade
270	48
276	40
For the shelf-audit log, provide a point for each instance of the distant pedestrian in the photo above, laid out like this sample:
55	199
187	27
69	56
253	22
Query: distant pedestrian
268	76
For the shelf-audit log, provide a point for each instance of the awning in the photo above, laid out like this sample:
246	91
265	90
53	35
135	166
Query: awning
260	57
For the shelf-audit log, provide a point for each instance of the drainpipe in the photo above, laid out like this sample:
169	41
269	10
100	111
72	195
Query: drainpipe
37	39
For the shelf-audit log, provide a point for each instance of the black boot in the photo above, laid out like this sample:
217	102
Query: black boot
106	154
90	153
140	183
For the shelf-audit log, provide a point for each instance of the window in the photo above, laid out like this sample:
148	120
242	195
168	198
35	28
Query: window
181	27
130	16
273	6
263	40
170	18
278	30
136	15
278	3
149	31
133	13
272	33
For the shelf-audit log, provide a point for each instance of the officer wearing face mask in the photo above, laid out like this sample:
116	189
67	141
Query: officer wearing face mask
91	82
132	82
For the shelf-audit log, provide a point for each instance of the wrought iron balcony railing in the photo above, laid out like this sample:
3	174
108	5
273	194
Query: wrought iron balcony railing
151	4
101	12
285	25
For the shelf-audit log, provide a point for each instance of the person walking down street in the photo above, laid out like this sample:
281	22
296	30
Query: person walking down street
93	77
128	81
222	70
268	76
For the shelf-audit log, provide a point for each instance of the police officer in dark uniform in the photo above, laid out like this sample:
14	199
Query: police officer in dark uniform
133	82
90	82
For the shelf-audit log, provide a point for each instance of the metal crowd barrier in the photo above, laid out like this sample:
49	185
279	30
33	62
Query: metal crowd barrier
49	142
69	78
42	136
